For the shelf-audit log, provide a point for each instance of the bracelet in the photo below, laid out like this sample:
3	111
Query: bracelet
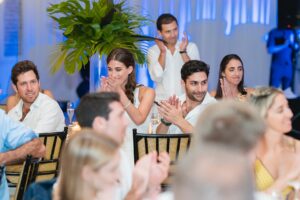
127	104
183	51
165	122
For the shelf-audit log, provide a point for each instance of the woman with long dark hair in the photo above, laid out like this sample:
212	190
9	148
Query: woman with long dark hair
136	99
231	79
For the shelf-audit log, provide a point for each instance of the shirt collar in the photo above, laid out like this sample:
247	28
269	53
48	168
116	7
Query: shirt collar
34	105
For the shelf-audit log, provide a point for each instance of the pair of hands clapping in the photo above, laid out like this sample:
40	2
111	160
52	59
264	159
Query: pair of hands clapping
109	84
148	174
183	45
172	110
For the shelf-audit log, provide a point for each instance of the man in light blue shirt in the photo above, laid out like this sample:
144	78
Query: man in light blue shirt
16	141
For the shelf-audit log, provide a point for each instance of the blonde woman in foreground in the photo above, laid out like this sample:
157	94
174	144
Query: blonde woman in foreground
89	168
277	155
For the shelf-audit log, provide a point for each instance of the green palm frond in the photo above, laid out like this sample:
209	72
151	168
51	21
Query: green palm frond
97	26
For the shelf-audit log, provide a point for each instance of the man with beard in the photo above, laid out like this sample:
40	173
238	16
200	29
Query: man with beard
35	109
167	56
179	115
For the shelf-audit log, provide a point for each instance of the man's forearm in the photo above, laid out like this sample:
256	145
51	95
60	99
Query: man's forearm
33	147
161	128
185	57
184	126
162	59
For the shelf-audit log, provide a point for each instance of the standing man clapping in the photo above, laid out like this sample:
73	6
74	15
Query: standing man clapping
165	59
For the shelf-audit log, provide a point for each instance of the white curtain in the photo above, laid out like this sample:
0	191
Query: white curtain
218	27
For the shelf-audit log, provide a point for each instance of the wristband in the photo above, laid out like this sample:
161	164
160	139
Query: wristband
165	123
183	51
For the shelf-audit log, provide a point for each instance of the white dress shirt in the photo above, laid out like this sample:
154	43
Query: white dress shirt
168	80
45	115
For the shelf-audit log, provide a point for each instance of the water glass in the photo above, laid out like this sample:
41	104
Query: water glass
70	111
155	119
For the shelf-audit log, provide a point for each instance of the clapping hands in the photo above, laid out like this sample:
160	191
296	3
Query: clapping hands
171	109
109	84
226	88
184	42
161	46
149	172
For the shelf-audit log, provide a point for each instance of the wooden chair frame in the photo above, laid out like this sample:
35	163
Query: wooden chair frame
40	167
175	144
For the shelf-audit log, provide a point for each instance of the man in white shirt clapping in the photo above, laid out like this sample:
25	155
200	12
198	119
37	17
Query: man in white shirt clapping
165	59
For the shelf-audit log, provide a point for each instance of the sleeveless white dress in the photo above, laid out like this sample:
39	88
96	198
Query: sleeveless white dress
143	128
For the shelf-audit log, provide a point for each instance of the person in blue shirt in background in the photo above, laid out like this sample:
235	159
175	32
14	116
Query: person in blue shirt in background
16	141
282	44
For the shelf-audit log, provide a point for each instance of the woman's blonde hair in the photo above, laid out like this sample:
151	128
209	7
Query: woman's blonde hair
87	148
263	98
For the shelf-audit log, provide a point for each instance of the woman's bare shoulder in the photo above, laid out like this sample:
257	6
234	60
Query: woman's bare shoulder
12	102
146	91
48	93
249	90
291	143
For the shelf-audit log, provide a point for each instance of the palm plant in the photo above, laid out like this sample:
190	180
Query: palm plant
92	27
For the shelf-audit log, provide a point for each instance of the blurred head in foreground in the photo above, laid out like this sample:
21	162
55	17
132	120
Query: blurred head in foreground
218	165
89	167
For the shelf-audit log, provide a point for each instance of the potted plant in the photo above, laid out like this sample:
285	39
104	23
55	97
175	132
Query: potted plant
95	27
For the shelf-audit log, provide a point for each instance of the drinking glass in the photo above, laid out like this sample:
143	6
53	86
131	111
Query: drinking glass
70	111
155	119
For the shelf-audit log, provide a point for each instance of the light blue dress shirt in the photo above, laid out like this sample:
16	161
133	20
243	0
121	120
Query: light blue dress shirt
12	135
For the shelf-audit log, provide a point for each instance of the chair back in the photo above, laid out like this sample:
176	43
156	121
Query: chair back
48	167
24	181
176	145
53	143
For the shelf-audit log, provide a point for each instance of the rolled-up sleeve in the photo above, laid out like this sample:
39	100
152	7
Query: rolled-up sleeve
193	51
155	69
14	134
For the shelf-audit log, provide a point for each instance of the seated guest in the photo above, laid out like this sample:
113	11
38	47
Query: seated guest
35	109
277	156
217	165
179	115
231	79
16	141
13	100
136	99
104	113
88	168
214	174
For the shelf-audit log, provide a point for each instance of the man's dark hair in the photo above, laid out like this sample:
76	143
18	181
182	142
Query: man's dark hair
93	105
193	66
22	67
165	18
